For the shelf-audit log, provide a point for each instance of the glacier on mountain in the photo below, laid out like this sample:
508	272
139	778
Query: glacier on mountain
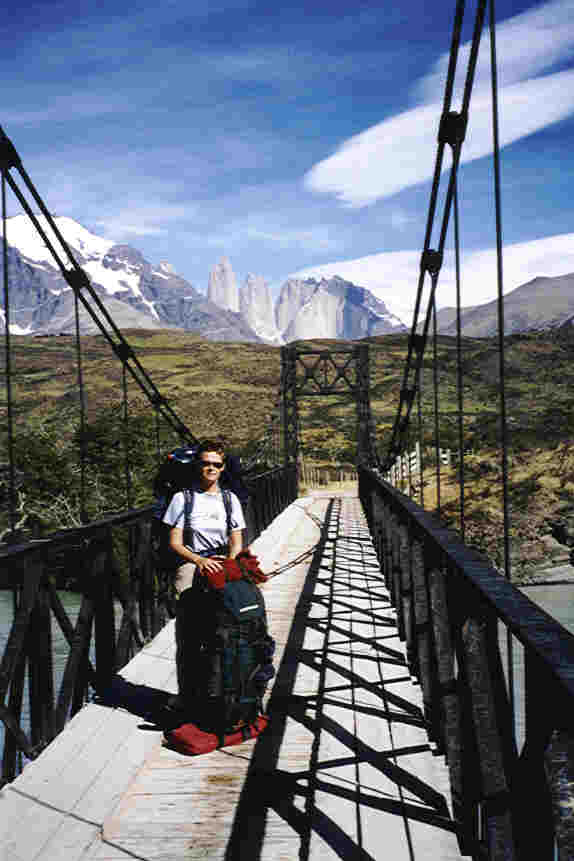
143	295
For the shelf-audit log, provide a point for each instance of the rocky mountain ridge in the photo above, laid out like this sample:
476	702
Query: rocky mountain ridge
540	304
138	294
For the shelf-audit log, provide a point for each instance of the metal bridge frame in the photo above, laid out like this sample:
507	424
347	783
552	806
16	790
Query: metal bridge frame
307	372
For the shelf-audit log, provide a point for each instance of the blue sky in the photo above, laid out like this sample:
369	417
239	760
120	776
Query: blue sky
284	136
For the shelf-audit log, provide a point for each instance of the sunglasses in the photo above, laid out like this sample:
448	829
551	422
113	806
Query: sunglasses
216	463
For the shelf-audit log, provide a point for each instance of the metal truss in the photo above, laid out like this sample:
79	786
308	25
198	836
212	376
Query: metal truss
307	372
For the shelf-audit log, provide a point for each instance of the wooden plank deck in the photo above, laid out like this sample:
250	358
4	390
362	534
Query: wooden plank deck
345	770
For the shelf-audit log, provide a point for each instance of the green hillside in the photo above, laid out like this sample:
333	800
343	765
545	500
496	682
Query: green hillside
230	389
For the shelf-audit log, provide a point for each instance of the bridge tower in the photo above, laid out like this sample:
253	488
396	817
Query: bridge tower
307	372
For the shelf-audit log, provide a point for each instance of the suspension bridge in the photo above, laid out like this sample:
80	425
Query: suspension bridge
397	727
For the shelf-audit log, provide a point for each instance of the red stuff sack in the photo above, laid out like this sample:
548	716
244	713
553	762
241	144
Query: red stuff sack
192	741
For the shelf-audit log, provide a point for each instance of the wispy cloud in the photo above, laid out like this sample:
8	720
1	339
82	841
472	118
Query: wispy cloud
394	276
397	153
76	105
142	220
527	45
273	233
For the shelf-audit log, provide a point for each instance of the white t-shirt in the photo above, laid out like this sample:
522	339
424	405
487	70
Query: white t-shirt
208	518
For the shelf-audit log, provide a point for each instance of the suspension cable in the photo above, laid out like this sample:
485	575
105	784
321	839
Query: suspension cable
452	130
501	351
414	339
420	429
82	405
125	417
436	407
8	369
80	283
459	374
500	291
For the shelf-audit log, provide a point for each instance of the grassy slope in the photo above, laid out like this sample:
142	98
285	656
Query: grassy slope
230	388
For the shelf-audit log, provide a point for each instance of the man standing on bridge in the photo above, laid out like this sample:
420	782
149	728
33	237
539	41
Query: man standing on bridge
212	533
216	522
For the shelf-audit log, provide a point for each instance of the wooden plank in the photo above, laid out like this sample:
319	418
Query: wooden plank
79	734
71	839
326	780
25	826
191	801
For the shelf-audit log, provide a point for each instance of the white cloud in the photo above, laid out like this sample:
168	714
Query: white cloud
268	231
393	277
526	45
396	153
399	152
142	220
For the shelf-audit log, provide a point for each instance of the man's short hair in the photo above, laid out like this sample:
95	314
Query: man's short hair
210	445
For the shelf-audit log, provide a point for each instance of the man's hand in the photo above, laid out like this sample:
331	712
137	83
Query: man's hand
210	563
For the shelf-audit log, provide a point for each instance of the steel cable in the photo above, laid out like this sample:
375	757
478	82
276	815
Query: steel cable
125	417
452	129
501	351
82	407
80	283
8	370
436	407
459	373
453	57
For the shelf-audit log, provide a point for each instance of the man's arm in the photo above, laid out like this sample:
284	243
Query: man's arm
235	543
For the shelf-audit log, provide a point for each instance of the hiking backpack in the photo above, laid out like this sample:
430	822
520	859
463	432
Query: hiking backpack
225	627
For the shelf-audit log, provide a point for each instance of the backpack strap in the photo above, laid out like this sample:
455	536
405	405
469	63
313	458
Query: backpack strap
225	493
188	500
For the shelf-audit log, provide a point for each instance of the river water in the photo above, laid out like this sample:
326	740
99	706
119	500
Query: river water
557	600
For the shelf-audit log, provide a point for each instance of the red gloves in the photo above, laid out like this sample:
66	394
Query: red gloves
245	565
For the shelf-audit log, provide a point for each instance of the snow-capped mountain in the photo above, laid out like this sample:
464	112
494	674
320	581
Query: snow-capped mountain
137	293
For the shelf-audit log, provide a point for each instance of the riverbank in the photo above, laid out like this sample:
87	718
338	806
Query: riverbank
555	575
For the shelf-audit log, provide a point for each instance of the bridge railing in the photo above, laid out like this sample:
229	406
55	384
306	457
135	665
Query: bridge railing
125	600
512	789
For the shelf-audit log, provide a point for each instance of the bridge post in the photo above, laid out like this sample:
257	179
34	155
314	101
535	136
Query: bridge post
559	765
365	435
448	709
406	595
290	414
494	788
422	637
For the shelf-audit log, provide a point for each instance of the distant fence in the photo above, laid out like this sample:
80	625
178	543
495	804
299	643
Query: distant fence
320	476
408	466
114	569
512	782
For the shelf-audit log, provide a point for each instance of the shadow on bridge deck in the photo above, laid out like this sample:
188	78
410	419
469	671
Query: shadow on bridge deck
345	770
